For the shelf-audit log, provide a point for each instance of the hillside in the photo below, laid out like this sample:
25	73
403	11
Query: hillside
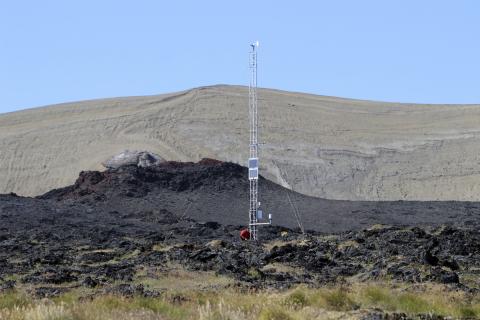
320	146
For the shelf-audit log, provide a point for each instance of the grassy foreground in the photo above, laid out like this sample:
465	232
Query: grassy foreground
348	302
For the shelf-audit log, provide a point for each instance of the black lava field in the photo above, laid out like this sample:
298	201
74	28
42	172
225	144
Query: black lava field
107	225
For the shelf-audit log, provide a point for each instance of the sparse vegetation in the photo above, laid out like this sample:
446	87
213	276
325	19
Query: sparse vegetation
297	299
337	299
298	303
274	313
12	300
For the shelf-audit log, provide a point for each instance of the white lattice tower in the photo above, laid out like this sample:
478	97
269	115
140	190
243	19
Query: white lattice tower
253	157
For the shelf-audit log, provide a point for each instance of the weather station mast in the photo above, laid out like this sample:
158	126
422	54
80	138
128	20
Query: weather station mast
255	214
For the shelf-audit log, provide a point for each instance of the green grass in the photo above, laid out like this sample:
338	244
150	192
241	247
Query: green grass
14	277
155	305
338	299
274	313
434	299
13	299
297	299
254	273
229	303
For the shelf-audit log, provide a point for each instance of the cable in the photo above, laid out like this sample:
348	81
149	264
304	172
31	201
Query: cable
295	211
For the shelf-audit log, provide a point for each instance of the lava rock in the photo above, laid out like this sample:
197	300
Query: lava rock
7	285
430	259
89	282
127	290
443	276
49	292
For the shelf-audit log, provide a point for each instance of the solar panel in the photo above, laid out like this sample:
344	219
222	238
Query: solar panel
253	163
253	174
259	214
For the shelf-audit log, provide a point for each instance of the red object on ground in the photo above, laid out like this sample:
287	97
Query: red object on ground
244	234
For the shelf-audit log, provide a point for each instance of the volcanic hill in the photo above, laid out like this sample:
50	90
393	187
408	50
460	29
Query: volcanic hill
320	146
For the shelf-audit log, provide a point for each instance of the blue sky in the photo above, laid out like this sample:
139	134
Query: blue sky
408	51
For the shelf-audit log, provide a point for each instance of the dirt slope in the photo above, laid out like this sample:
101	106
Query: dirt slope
320	146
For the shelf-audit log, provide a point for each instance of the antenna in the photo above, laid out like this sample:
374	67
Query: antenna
255	213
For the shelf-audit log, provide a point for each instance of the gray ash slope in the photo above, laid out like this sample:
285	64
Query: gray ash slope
217	191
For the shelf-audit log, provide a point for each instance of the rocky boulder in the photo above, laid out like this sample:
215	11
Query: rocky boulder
139	158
